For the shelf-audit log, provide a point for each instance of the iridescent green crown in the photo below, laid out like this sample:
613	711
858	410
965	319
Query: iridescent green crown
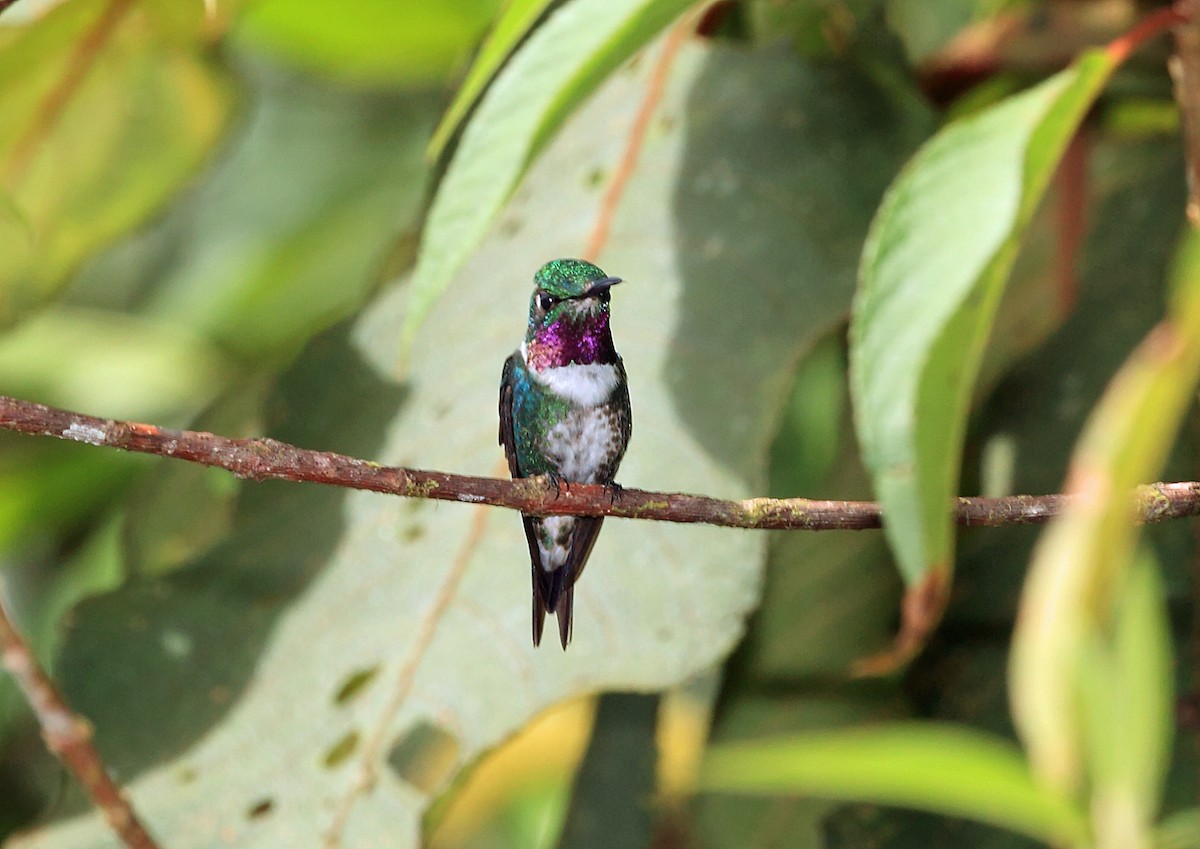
567	278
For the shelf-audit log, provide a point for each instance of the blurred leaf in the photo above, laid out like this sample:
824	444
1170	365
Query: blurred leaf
178	510
110	364
509	30
615	785
40	604
287	234
1128	709
783	822
818	30
368	40
47	488
927	298
925	27
560	64
809	435
518	793
1179	831
784	163
1081	559
94	142
943	768
829	599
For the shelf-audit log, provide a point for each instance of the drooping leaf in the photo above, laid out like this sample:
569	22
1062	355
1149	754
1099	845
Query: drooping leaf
562	62
1126	703
943	768
1081	561
932	274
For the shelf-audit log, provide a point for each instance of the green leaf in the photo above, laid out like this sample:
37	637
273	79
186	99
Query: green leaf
941	768
288	232
1181	830
611	806
510	29
1080	565
760	712
932	273
1127	704
558	66
809	437
111	364
925	27
84	160
372	41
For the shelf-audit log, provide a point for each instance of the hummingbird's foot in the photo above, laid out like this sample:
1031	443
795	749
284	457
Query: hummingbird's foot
614	491
553	479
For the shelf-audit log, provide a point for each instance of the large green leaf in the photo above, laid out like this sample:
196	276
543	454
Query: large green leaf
317	588
86	158
932	274
942	768
561	63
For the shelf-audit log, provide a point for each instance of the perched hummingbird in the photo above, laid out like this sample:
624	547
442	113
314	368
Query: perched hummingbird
564	413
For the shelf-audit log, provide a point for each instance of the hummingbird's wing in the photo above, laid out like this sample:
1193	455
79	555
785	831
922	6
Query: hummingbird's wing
508	436
508	439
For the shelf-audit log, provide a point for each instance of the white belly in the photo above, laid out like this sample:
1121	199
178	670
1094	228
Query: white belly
583	443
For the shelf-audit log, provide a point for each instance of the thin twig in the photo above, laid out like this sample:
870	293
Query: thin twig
261	459
69	736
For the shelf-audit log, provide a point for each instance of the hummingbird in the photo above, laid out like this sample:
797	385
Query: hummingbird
564	413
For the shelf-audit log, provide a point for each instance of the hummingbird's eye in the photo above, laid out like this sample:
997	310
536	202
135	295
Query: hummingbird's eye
546	302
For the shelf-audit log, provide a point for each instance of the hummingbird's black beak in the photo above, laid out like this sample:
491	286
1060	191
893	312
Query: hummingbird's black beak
597	286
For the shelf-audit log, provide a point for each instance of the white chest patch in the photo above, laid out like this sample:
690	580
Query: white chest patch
586	385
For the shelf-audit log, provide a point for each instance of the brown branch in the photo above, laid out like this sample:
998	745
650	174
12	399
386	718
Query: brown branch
69	736
261	459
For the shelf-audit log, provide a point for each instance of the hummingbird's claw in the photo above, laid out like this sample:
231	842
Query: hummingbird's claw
614	491
553	479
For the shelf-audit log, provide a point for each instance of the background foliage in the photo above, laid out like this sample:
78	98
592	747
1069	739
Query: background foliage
256	217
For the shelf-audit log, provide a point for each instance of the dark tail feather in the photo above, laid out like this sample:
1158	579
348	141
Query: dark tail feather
555	591
539	616
564	609
547	587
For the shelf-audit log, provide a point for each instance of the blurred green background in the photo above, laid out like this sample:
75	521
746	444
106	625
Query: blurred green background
208	212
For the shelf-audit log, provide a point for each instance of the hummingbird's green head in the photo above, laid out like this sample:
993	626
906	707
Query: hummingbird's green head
568	314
